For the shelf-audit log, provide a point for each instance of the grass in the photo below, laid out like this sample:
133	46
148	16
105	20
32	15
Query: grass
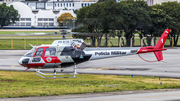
20	43
25	84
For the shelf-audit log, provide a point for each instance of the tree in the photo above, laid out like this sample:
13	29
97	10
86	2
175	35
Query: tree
75	11
65	20
8	15
88	17
160	21
136	16
117	25
100	18
112	18
173	9
108	17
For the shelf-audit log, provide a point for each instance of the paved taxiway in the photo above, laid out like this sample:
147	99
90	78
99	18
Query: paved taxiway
155	96
146	95
127	65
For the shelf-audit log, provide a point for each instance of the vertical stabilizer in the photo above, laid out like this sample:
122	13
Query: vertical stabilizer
160	44
159	55
163	38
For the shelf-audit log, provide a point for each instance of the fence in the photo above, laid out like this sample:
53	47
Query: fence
134	42
24	43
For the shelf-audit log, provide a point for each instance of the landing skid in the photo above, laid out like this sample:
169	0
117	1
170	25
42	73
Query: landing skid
46	74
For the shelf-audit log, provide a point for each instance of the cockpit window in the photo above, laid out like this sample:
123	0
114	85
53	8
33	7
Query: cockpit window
39	52
31	52
50	52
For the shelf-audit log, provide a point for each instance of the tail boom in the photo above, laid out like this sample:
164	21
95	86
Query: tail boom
146	50
158	48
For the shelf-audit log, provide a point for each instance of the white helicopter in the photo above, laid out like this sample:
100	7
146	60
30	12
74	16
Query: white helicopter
63	53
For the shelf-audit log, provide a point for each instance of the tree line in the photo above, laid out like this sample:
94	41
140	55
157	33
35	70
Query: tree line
127	18
8	15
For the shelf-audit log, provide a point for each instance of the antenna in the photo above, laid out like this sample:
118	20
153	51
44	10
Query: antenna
63	32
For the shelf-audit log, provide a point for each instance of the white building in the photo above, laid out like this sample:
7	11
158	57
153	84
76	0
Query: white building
57	5
8	1
40	19
43	14
154	2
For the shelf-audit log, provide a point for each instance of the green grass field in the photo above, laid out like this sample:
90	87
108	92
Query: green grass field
24	84
22	42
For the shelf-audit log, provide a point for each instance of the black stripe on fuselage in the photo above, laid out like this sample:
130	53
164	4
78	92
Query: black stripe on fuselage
77	55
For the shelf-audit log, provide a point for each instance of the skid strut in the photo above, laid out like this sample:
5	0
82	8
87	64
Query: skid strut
63	73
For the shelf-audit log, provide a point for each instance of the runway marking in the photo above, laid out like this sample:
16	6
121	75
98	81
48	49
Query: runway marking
13	65
136	97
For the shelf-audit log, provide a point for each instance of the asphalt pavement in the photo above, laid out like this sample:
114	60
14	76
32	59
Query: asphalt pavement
126	65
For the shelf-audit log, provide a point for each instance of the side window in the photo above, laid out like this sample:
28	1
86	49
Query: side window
39	52
50	52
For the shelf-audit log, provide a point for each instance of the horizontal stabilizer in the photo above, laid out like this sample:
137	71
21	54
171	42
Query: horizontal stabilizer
159	55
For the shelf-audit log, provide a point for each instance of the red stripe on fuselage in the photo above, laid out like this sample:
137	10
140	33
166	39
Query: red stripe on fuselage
51	59
35	65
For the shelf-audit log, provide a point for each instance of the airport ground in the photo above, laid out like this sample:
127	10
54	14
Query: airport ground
128	65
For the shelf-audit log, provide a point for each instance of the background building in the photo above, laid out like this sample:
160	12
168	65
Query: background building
9	1
44	14
154	2
58	5
39	19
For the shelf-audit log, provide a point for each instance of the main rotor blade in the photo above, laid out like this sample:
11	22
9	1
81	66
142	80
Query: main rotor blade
31	34
87	34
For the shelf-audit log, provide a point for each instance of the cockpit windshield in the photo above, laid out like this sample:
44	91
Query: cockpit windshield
31	52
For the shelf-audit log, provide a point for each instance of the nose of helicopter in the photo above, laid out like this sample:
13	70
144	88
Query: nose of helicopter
23	61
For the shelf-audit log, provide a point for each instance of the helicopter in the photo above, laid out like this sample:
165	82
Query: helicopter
64	53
